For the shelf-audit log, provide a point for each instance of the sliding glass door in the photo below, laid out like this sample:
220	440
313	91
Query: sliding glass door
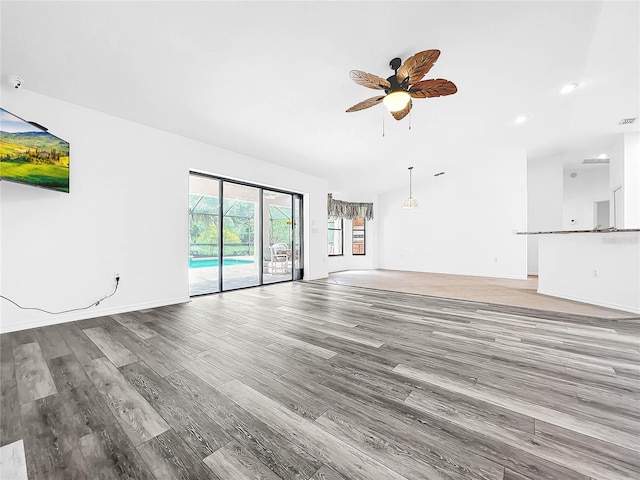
204	225
297	237
252	237
277	232
241	245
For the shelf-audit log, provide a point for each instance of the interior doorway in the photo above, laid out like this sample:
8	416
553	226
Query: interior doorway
601	217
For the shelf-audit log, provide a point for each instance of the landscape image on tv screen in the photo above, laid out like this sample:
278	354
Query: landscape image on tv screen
30	155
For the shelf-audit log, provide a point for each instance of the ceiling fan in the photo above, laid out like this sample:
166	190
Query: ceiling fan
404	84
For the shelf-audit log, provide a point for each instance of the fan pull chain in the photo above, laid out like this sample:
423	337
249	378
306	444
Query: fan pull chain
410	115
382	110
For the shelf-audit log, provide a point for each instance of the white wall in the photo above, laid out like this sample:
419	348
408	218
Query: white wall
348	261
589	185
126	213
616	180
466	222
598	268
632	180
544	203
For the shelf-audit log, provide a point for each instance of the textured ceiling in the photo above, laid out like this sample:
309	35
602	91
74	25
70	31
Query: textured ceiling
270	79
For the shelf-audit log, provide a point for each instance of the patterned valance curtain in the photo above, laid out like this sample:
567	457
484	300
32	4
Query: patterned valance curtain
349	210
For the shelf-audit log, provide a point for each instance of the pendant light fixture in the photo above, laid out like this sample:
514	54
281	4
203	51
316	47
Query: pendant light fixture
410	203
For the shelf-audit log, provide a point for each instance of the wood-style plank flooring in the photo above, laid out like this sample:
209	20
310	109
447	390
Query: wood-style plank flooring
320	381
504	291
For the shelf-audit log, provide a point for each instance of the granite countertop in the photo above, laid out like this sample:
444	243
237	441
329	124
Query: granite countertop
603	230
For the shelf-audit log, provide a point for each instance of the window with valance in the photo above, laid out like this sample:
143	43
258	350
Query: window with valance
349	210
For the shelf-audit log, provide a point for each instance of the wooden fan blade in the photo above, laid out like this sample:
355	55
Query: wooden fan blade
399	115
369	102
417	66
369	80
432	88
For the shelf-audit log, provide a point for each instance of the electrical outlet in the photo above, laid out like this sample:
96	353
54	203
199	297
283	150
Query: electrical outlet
596	274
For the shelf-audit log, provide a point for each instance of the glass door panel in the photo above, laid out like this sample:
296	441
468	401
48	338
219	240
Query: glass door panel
241	245
277	235
204	255
297	238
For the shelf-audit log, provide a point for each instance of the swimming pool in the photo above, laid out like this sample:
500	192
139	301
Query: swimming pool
213	262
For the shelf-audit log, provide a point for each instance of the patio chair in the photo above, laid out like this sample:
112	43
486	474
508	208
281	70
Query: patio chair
279	257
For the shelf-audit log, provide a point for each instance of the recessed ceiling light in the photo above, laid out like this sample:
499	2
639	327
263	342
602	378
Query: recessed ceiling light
522	119
570	87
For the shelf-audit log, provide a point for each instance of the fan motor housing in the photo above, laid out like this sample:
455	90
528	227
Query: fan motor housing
395	85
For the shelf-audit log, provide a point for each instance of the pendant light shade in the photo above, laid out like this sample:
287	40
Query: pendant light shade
410	203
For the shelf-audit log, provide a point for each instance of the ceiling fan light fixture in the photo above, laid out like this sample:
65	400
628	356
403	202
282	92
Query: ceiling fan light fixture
406	84
396	100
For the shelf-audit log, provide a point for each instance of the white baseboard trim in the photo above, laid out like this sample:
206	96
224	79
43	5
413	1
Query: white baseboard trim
624	308
6	327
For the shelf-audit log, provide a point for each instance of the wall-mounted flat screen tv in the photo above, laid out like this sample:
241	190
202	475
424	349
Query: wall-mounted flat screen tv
31	155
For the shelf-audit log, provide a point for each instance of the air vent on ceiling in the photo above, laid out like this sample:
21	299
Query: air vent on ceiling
593	161
627	121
